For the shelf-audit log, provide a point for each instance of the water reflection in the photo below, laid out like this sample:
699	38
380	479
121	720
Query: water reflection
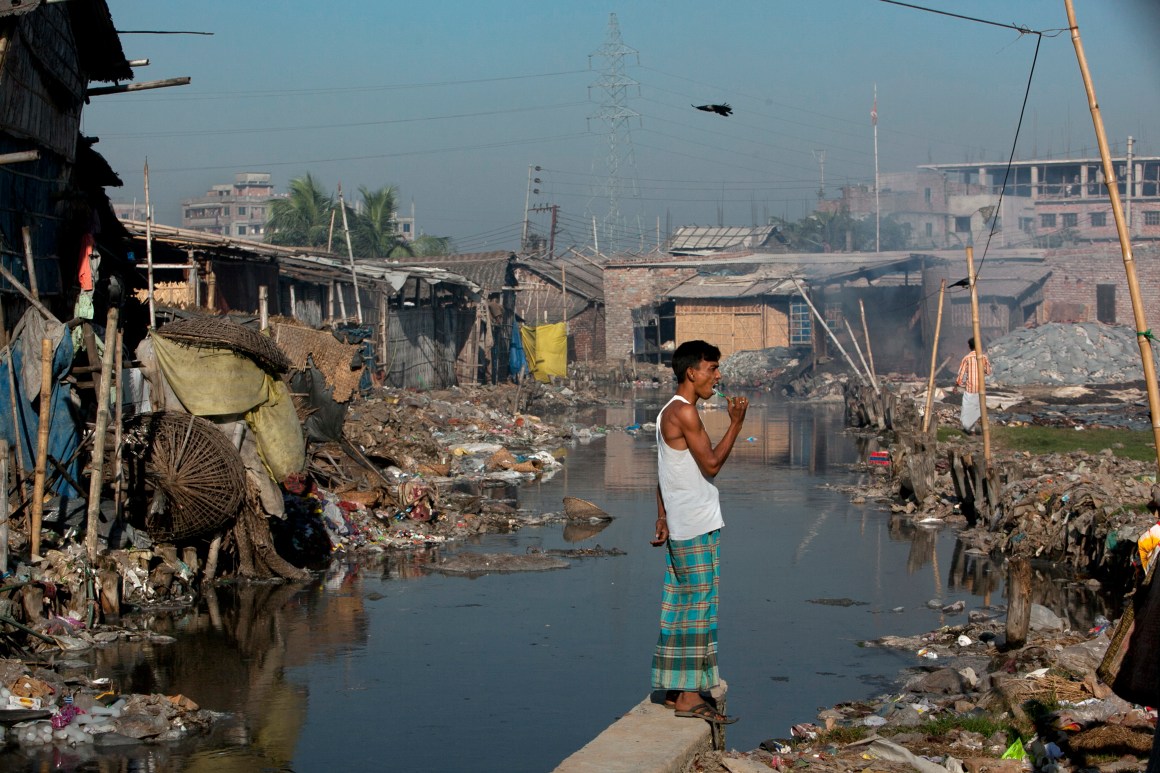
359	670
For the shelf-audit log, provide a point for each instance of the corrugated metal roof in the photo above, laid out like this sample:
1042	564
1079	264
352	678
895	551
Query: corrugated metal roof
718	238
487	269
391	273
577	274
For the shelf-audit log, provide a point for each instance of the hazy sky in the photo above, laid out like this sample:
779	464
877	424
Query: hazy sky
451	101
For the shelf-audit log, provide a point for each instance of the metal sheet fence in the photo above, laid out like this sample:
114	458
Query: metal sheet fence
423	345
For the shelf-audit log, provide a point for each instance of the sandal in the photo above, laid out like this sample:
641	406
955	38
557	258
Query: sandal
708	713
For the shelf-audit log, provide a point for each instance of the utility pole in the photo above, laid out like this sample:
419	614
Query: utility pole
877	207
527	201
555	210
820	155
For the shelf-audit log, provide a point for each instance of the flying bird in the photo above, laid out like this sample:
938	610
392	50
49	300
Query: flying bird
722	109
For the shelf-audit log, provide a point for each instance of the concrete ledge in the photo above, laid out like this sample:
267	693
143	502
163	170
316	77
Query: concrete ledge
648	739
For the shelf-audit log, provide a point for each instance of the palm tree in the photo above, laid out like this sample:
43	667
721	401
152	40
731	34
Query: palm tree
372	230
426	246
303	218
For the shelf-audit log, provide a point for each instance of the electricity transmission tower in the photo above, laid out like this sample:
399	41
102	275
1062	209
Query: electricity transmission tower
621	164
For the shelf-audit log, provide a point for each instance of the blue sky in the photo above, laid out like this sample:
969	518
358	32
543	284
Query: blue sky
451	101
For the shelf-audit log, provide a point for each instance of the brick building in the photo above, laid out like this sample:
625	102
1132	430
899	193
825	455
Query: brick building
240	208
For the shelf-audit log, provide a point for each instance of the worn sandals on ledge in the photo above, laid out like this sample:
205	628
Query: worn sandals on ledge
708	713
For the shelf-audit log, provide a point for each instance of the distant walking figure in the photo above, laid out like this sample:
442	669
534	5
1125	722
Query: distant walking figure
968	379
689	526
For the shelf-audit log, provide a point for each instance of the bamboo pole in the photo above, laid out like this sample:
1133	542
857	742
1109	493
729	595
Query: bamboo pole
822	322
263	307
861	357
933	359
980	367
118	421
41	445
1143	333
30	262
28	296
149	251
350	254
866	334
97	466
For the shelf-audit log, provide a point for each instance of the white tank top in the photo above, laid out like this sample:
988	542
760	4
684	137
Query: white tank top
692	504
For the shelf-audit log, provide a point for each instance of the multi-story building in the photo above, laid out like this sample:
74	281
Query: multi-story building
1046	203
1065	200
238	209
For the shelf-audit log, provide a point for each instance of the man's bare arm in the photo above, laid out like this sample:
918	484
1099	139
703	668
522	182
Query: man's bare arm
662	531
708	458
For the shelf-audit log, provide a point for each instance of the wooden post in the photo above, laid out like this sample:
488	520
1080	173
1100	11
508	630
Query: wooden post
350	254
330	303
822	322
341	301
979	355
30	262
118	416
1018	601
866	334
933	358
383	311
3	506
263	307
858	348
149	250
1143	333
97	468
41	445
293	302
210	288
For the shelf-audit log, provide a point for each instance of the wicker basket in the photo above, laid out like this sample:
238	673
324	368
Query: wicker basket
581	509
221	333
195	466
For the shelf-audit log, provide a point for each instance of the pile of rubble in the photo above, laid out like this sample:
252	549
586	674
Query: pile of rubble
1067	353
763	367
967	704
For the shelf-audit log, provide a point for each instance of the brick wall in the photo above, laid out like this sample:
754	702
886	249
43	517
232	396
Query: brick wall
586	335
631	287
1070	292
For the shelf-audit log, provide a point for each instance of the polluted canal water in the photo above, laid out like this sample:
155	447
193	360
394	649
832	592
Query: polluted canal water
384	664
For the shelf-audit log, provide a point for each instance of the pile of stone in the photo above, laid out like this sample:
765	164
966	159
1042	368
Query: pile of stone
762	367
1067	353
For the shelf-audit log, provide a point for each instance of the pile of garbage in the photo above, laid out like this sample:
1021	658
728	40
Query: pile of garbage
968	704
41	706
1067	353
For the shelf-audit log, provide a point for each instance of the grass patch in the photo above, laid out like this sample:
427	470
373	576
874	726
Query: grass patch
975	723
841	736
1130	444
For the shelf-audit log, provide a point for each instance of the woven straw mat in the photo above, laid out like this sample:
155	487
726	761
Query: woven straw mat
217	332
331	356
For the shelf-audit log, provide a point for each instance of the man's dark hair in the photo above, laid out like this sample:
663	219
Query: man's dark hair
690	354
971	343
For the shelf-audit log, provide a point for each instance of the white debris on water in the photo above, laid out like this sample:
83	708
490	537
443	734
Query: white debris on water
1067	353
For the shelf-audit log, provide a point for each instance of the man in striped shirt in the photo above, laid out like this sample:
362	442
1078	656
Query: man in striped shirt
968	379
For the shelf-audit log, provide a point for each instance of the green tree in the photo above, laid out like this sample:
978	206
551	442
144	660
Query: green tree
303	218
373	231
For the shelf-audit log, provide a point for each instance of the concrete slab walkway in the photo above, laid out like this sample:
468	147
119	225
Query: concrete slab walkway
648	739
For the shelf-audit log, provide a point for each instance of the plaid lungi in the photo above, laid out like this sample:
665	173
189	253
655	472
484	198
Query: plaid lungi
686	653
